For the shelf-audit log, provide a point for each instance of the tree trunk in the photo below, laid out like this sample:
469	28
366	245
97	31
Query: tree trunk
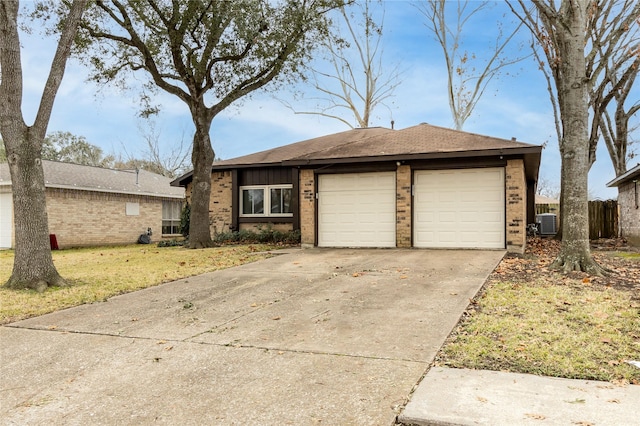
33	264
202	158
575	253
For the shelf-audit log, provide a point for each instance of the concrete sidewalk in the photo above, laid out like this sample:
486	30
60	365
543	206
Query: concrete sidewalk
472	397
337	337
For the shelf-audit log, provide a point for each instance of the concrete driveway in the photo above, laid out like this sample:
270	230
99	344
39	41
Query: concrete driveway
311	336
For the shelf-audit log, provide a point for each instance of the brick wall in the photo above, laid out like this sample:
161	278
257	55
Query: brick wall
84	218
220	213
516	199
403	206
629	214
307	208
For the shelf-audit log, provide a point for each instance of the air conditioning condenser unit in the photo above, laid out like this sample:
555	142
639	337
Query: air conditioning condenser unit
546	223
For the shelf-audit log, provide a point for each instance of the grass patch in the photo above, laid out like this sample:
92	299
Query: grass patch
99	273
628	255
562	329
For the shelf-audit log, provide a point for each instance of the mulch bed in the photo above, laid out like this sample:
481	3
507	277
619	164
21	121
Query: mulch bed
540	252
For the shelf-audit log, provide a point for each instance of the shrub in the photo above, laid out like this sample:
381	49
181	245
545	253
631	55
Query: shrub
185	220
263	235
171	243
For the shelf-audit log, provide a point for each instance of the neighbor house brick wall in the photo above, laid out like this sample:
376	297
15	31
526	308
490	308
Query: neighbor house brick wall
220	213
307	208
516	200
629	214
403	206
85	218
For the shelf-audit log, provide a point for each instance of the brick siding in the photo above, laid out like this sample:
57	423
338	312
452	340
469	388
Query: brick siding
516	199
403	206
307	208
220	209
85	218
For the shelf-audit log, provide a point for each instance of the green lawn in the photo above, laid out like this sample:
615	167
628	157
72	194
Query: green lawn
99	273
552	325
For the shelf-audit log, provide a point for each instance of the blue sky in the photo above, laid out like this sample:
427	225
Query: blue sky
513	106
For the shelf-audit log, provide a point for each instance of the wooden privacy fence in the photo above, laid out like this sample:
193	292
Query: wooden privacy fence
547	208
603	219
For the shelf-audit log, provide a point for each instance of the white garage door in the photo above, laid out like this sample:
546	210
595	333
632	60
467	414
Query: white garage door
357	210
459	208
6	222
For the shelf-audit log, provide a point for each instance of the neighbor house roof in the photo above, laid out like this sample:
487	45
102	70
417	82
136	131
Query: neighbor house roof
631	174
98	179
423	141
541	199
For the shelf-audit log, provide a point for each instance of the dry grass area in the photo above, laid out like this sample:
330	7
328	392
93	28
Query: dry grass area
528	319
95	274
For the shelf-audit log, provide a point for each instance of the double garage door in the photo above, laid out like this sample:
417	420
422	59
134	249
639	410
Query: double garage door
451	209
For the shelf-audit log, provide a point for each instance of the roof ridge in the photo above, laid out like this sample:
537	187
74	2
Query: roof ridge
344	143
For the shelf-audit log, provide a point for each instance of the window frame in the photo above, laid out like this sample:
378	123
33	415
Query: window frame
266	200
174	222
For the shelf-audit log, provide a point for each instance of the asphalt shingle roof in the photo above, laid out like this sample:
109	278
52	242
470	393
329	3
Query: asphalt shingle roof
89	178
420	139
380	144
306	148
377	141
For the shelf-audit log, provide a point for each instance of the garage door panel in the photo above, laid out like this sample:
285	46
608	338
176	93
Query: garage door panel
459	208
6	220
357	210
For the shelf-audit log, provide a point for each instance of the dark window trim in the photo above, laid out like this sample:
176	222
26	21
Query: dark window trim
265	219
236	219
295	197
235	200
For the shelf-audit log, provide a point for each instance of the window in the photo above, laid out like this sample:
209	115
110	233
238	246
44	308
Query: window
171	211
266	200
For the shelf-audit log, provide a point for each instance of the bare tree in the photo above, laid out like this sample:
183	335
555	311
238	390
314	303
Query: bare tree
468	75
561	30
209	55
33	265
613	62
548	188
357	81
173	161
154	157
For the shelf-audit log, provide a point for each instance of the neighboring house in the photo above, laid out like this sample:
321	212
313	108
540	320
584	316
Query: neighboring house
628	185
423	186
88	206
553	203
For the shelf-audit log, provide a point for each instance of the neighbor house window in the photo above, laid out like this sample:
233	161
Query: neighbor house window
171	211
266	200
